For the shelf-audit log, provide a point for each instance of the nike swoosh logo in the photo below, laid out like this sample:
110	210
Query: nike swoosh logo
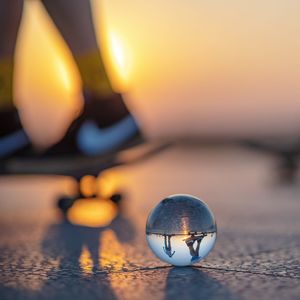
92	140
13	142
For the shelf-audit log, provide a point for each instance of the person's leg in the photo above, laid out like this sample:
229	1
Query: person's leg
75	23
192	250
198	246
165	241
12	136
10	17
170	246
103	107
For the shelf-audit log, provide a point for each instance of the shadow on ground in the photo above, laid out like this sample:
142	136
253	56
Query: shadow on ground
64	243
193	283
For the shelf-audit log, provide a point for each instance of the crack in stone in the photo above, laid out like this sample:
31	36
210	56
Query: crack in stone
248	272
199	267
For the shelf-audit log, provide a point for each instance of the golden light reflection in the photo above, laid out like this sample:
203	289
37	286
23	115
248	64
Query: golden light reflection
88	186
185	225
119	60
113	257
64	74
45	69
213	64
86	262
92	212
109	183
112	253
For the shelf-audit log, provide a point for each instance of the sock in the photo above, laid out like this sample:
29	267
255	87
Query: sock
6	82
93	74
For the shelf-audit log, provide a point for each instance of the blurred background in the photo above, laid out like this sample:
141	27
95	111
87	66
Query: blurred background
217	69
190	70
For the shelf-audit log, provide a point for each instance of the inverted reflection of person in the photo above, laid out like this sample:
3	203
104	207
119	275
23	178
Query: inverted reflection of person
168	248
190	243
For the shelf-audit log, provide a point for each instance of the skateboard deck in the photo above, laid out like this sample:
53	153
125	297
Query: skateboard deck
79	166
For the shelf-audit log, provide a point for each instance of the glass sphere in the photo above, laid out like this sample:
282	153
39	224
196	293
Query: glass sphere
181	230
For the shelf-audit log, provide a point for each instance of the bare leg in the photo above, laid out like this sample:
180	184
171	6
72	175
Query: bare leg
75	23
198	247
165	241
192	250
102	107
10	17
12	136
169	242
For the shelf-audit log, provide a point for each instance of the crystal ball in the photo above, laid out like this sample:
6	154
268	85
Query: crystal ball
181	230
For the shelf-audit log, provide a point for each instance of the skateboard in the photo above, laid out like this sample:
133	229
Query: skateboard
287	152
85	170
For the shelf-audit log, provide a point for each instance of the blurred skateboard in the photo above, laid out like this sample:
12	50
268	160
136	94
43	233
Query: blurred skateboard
78	167
286	150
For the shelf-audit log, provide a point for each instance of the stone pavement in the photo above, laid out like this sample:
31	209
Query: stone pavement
257	254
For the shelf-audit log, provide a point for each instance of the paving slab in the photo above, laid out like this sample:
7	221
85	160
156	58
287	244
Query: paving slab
257	254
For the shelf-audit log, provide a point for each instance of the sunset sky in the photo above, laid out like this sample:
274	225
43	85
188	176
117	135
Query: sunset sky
194	68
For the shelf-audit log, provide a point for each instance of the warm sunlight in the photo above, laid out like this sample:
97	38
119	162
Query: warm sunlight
109	183
215	63
64	75
88	186
86	262
112	253
119	58
92	212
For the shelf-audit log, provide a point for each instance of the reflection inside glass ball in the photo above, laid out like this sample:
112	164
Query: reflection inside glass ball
181	230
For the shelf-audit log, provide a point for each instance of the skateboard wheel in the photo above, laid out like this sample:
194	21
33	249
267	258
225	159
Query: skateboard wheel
64	203
116	198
